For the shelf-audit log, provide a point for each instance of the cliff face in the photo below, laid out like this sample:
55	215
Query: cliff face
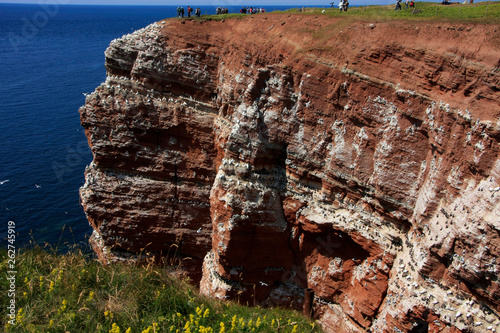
275	153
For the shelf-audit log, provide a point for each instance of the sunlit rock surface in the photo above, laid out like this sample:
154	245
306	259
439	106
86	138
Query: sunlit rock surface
281	152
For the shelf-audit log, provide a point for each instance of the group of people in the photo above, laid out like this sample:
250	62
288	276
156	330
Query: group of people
221	10
190	10
410	3
251	10
244	10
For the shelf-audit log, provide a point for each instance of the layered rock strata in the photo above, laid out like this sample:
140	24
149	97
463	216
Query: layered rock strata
275	153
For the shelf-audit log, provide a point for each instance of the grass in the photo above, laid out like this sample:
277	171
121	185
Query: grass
481	12
487	12
74	293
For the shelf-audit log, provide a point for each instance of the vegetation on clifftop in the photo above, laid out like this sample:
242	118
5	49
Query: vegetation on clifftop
485	12
482	11
74	293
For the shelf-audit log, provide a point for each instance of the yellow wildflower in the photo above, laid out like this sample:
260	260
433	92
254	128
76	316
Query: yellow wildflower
129	330
108	314
242	323
198	311
63	307
114	328
91	296
51	323
233	323
51	286
222	327
206	313
41	281
59	277
258	322
272	323
148	330
20	316
294	330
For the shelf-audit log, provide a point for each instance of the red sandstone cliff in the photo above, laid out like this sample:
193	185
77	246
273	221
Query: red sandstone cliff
284	152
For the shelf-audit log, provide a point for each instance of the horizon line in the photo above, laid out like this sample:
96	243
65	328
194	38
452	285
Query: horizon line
162	5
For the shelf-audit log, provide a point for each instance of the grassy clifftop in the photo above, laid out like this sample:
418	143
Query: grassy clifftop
485	12
72	292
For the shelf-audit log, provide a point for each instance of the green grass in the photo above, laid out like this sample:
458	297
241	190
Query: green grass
72	292
484	12
488	12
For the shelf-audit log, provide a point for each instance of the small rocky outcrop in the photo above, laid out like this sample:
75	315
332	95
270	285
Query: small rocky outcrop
274	153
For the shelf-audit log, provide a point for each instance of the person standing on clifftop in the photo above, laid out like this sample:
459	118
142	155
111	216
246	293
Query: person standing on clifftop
346	5
190	10
182	11
178	11
197	12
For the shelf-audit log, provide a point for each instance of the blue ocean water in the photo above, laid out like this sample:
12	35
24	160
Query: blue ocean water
49	57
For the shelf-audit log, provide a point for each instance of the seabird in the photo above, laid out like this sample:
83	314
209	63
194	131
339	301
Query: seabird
4	181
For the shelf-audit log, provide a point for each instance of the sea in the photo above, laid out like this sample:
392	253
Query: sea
50	56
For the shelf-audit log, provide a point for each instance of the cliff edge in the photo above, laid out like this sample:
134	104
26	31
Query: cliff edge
279	152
